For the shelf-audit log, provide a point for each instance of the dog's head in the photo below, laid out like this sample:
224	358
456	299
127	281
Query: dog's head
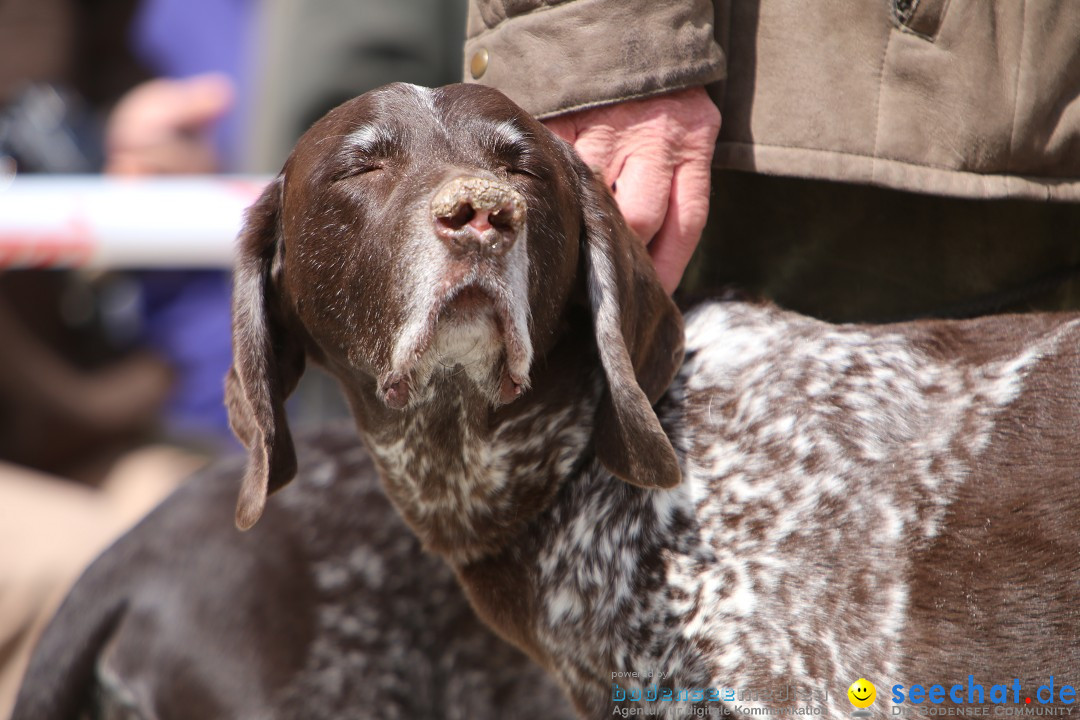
413	230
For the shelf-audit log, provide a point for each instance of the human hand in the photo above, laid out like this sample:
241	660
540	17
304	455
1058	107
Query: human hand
163	126
656	153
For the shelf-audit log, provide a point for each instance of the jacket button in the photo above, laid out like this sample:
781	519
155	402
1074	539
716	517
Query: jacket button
478	64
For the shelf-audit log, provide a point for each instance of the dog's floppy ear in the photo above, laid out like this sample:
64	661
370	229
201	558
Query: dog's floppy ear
639	333
267	361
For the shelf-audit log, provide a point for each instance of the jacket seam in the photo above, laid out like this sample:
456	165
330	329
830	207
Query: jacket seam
1040	179
1016	83
880	94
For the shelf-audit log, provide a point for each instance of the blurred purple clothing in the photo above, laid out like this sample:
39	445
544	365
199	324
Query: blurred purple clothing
178	38
186	313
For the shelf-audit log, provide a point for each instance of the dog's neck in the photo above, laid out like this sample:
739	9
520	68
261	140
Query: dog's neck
509	496
508	499
550	547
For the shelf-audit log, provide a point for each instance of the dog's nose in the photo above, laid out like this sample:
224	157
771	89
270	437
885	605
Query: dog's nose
477	216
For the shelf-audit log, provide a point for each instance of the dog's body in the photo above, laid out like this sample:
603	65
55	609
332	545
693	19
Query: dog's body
897	503
331	611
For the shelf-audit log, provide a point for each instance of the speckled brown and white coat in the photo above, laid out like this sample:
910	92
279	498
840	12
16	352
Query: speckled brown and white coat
756	500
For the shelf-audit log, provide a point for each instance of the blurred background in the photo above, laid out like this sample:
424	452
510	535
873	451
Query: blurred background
111	363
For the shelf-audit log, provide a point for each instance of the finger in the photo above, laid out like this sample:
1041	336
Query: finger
643	190
564	127
201	99
596	146
687	213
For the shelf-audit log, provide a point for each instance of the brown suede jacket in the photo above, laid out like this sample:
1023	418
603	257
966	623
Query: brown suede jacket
966	98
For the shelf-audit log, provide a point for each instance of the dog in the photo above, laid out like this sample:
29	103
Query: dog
330	611
649	505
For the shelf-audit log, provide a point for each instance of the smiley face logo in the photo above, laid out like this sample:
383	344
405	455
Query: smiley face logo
862	693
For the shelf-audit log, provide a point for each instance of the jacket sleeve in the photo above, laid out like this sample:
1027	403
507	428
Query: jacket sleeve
556	56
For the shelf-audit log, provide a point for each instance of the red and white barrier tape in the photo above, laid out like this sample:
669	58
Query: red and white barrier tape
63	221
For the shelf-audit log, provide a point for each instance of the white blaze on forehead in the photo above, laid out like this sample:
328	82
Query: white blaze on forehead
367	137
424	96
373	136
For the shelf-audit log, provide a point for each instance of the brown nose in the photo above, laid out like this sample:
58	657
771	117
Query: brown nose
476	216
